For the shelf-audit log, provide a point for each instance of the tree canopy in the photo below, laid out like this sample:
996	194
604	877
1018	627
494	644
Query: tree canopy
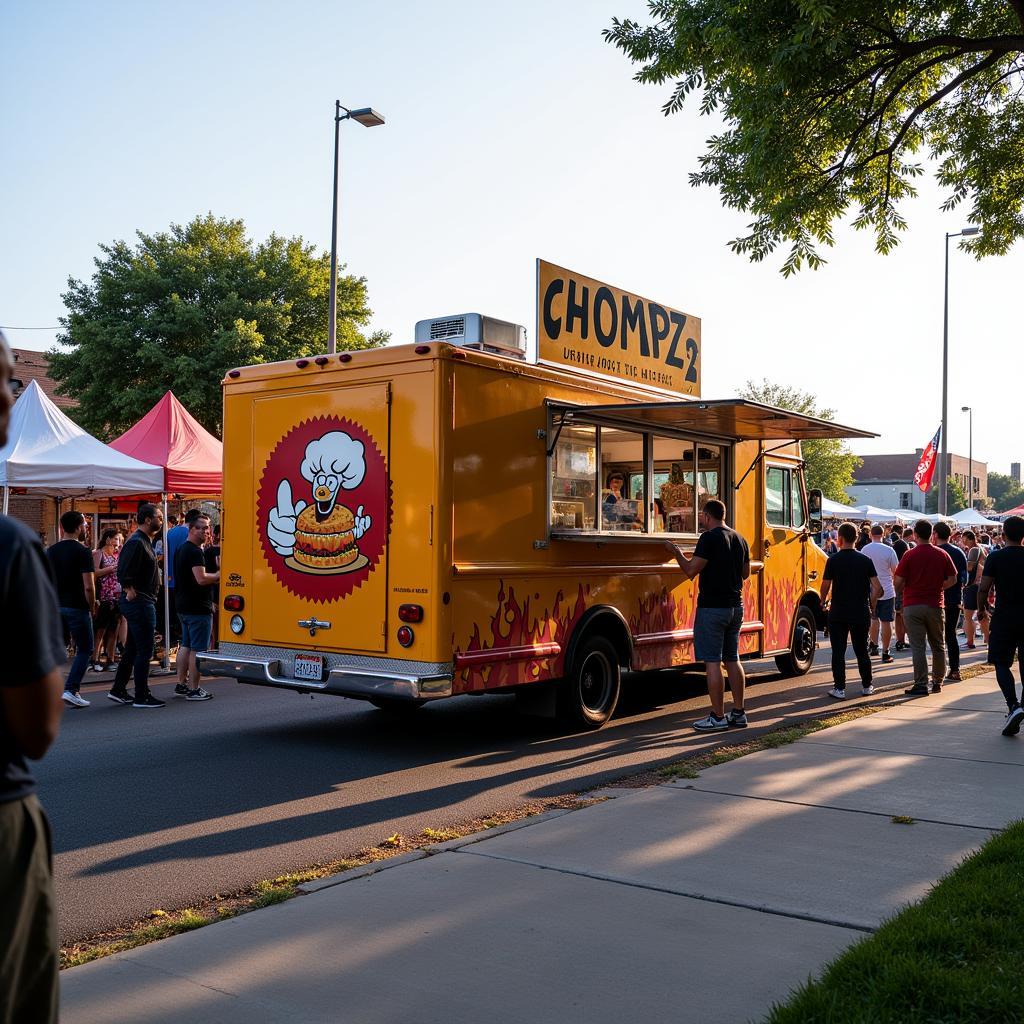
956	497
181	307
830	107
828	464
1005	492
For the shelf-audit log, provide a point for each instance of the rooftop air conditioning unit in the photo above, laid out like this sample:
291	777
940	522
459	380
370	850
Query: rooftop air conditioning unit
473	330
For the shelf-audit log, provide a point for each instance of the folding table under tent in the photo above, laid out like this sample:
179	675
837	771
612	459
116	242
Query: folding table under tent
191	459
50	455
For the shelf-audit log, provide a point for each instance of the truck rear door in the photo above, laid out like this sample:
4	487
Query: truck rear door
323	505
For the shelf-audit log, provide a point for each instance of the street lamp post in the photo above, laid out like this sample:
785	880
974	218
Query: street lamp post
943	448
970	454
369	118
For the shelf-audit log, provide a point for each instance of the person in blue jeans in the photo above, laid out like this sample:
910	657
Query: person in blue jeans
721	561
140	582
73	570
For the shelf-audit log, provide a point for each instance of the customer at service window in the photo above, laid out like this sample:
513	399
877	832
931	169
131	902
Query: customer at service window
851	590
193	597
925	572
76	590
721	560
30	711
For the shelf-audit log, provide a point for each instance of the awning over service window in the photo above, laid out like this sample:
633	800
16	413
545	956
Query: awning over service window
737	419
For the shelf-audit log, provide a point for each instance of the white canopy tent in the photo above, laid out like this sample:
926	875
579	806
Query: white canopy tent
836	510
972	517
48	454
882	515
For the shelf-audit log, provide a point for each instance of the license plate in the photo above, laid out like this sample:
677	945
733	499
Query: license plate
309	666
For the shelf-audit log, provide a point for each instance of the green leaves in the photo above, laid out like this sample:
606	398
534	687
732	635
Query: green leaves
826	103
182	307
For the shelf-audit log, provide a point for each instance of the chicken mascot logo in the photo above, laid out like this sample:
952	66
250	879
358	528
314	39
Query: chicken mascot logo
323	508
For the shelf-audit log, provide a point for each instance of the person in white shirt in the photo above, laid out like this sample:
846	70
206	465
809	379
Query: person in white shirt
885	561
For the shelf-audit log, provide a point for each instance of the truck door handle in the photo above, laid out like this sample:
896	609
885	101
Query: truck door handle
313	624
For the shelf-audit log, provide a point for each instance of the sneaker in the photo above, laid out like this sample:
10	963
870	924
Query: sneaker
98	667
887	658
954	677
866	691
737	719
936	687
181	690
900	646
199	694
124	697
74	700
712	723
968	647
917	690
1013	720
148	702
873	650
837	693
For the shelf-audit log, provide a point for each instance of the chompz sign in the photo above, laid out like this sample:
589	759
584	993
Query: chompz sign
597	328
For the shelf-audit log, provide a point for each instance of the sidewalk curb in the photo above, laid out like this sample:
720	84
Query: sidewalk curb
427	851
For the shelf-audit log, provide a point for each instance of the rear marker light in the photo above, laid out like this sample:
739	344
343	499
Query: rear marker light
406	636
237	624
234	373
302	363
410	613
421	350
234	603
345	357
321	360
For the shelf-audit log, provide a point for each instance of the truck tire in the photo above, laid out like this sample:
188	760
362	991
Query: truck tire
805	639
586	698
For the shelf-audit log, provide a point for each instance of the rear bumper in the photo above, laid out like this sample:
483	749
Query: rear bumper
387	679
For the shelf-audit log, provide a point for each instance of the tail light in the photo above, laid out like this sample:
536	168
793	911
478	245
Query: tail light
237	624
234	603
406	636
410	612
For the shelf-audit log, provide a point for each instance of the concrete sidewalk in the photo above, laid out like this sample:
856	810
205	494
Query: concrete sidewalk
700	900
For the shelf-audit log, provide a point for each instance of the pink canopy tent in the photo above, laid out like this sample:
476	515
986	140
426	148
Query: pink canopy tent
191	458
169	436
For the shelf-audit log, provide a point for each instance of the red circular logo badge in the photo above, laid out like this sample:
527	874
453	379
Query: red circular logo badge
323	509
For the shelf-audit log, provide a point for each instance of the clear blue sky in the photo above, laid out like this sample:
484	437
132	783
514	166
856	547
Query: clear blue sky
513	131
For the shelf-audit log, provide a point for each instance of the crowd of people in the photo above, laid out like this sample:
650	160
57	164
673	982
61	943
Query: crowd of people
111	601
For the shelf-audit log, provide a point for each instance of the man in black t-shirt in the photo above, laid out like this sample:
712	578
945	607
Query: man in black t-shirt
30	710
852	581
1004	569
73	570
721	560
952	597
193	600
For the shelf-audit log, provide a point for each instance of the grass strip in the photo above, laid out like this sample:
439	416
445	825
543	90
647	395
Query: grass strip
954	957
691	767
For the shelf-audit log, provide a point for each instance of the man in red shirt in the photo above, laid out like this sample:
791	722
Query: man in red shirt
922	576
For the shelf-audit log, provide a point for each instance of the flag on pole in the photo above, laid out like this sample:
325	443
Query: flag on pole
926	467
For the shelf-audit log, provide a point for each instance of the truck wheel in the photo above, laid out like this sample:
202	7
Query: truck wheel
587	696
396	707
805	639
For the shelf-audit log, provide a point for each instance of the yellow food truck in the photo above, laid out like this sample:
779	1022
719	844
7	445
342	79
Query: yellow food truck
415	522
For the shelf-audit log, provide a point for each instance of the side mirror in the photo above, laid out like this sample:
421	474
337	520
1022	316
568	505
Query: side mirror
814	510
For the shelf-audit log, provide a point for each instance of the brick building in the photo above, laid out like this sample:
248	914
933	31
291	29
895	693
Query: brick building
888	480
39	514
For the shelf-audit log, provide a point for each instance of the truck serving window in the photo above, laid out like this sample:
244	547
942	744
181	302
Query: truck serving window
600	477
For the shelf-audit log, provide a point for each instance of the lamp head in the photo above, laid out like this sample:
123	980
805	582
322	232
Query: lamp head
367	117
972	230
965	408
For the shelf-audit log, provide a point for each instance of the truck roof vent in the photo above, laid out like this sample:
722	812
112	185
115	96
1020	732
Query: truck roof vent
473	330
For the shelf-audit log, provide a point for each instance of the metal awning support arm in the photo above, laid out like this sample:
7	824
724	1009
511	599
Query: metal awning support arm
558	424
757	458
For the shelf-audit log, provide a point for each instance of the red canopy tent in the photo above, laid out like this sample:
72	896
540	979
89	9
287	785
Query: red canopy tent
191	458
171	437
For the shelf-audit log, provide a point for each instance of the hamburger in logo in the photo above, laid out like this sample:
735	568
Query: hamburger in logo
325	543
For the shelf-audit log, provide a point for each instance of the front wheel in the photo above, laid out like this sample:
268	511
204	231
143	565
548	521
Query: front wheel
805	639
587	696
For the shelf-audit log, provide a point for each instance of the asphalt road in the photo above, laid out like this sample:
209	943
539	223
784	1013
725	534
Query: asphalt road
161	808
